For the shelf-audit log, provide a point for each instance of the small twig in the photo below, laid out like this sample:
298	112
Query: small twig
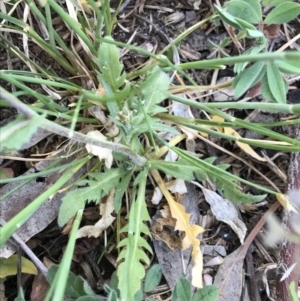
26	249
62	131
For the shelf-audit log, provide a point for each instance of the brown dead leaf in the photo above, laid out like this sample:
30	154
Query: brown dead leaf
163	230
106	209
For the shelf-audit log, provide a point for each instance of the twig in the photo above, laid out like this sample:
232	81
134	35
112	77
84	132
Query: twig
62	131
26	249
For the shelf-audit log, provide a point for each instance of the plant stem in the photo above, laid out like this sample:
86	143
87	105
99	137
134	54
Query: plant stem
62	131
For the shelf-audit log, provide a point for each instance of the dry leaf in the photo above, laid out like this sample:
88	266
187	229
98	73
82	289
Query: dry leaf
106	209
230	286
177	186
226	212
183	224
161	231
101	152
284	200
190	239
157	196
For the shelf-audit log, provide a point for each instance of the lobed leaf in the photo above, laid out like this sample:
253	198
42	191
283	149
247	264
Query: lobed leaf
131	271
154	89
76	199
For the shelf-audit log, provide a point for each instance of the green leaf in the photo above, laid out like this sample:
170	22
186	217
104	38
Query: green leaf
18	132
231	192
109	64
293	291
283	13
254	34
112	296
20	296
120	190
82	287
238	68
88	298
138	296
154	89
153	278
183	289
174	295
207	293
70	288
276	82
249	11
244	24
266	90
228	18
289	66
76	199
131	270
248	78
273	2
180	169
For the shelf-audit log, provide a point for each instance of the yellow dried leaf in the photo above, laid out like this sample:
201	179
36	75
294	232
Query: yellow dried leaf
284	200
183	224
245	147
9	266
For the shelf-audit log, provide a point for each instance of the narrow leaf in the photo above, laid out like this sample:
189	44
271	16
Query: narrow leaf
266	90
283	13
276	82
248	78
227	17
289	66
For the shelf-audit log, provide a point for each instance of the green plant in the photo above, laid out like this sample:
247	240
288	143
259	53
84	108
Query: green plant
135	119
241	15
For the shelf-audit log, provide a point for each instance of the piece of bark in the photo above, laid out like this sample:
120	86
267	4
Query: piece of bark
290	252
